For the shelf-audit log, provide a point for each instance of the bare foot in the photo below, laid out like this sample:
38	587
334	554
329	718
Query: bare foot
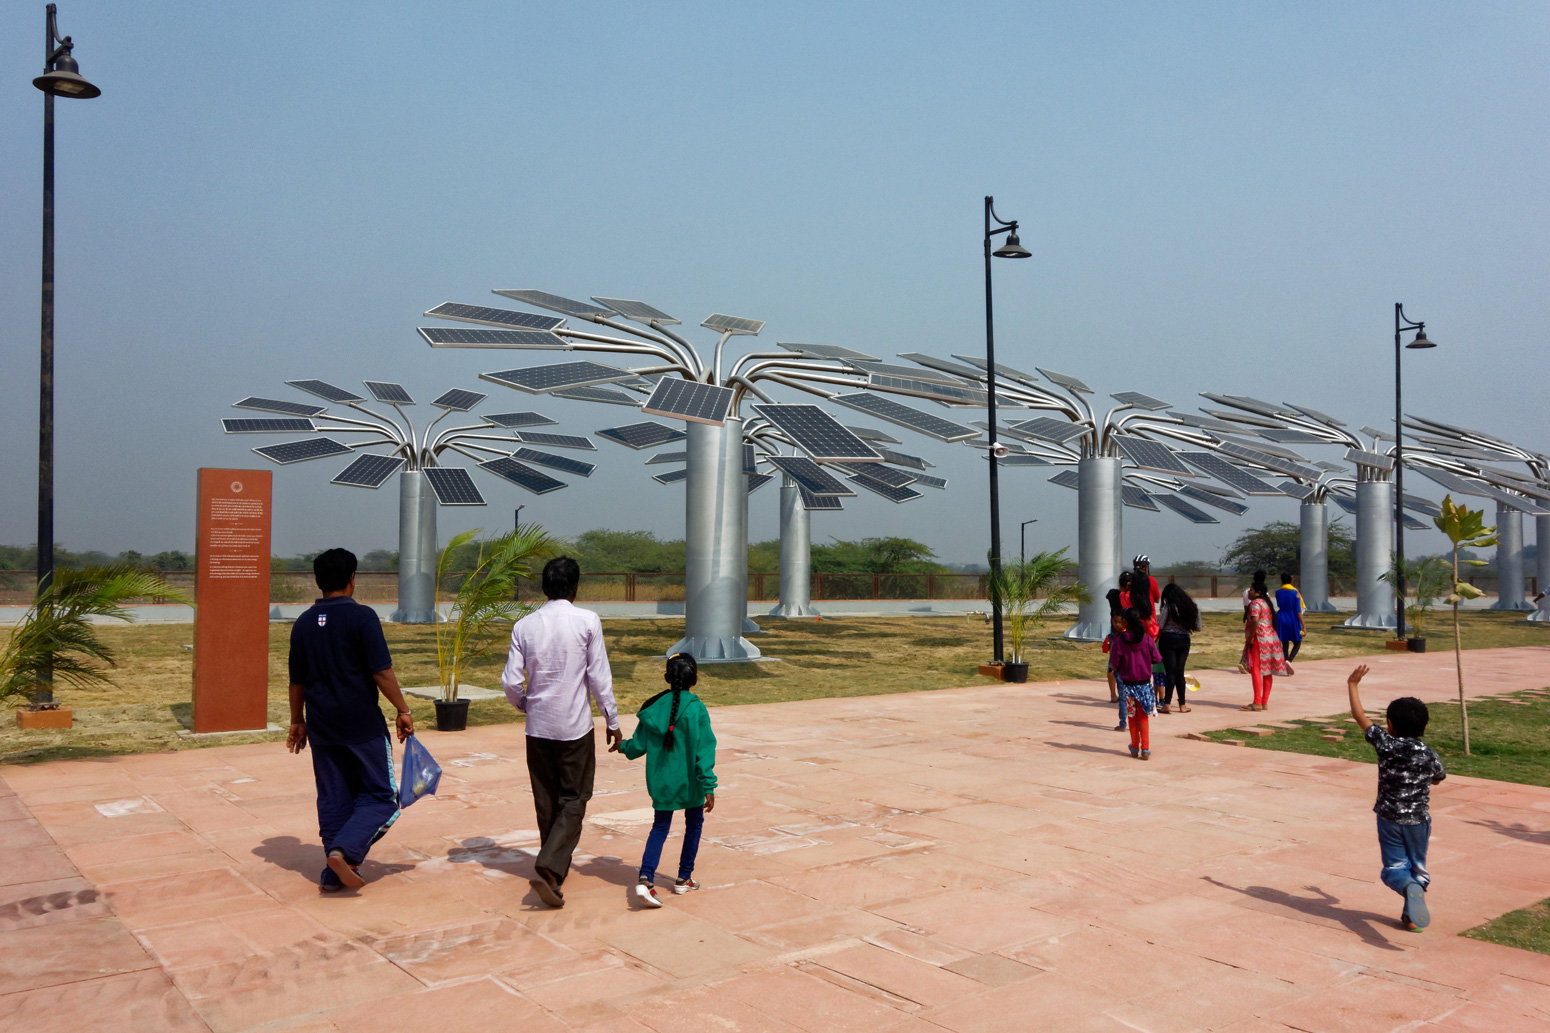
1183	709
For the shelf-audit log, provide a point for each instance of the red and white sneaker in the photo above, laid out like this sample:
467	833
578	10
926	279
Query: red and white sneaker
685	886
646	893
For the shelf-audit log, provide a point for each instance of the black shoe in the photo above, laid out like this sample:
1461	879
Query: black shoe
547	888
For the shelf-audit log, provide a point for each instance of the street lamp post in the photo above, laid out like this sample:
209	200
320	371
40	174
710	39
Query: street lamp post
1012	248
1022	552
1401	324
61	77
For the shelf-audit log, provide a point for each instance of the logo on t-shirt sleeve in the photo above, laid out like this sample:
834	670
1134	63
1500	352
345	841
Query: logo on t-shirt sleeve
322	619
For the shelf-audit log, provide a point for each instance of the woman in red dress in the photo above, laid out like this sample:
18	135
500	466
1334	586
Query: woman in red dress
1262	648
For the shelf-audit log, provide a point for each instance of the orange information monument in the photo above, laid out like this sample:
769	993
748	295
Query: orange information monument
231	624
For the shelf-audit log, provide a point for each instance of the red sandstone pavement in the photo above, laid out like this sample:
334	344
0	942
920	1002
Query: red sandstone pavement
977	859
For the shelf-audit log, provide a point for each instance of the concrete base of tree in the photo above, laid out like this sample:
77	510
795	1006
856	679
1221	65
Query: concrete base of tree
34	720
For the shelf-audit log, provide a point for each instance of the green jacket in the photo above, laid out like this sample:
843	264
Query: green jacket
681	777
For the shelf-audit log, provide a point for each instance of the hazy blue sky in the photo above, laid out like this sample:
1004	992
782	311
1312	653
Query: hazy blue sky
1225	197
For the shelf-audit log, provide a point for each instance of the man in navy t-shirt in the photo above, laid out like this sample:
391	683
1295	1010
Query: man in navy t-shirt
339	662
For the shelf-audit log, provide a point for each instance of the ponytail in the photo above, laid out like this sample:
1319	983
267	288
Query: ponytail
682	673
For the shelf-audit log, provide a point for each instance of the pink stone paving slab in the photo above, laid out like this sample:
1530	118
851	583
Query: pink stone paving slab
970	860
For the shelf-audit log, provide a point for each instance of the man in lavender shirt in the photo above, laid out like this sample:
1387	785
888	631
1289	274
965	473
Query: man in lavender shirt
557	659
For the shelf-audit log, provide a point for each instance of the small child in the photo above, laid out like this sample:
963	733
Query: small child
1134	652
1407	770
1116	627
674	729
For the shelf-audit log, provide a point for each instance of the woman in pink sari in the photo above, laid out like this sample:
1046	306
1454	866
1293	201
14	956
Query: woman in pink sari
1262	648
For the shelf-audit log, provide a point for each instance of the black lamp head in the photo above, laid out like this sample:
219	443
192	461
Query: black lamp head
1013	247
1420	339
64	78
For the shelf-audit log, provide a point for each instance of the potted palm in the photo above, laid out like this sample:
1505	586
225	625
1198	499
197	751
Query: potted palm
483	609
56	639
1466	529
1030	593
1426	580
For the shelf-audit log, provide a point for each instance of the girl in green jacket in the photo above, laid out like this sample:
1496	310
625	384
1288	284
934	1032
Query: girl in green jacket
673	730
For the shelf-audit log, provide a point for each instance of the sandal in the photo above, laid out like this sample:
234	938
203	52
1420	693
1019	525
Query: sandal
1248	706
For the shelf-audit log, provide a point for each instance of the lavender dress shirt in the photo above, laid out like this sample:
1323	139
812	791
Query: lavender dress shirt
557	659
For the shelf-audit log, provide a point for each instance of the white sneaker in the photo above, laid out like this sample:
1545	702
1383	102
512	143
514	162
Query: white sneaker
685	886
646	893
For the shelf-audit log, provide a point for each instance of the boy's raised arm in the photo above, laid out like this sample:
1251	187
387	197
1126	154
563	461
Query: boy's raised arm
1352	686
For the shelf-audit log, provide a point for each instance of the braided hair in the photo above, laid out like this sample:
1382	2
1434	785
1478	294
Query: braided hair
682	673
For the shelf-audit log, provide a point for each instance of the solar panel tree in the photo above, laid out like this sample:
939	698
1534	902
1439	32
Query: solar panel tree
386	443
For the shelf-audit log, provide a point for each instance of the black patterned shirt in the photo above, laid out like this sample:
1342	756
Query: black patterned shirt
1406	770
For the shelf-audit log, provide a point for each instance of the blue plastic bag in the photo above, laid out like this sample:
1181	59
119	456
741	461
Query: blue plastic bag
421	773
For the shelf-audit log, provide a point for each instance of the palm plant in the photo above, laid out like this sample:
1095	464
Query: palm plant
1426	580
1466	529
486	604
1018	586
56	639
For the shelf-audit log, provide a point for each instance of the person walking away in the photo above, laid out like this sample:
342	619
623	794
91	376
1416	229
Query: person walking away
1180	618
339	662
1407	770
1262	648
674	735
1134	654
1146	586
557	659
1116	628
1117	598
1289	623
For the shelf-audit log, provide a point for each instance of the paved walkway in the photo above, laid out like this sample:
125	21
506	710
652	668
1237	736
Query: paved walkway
978	859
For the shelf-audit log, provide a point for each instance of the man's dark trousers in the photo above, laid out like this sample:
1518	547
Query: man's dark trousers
357	795
561	773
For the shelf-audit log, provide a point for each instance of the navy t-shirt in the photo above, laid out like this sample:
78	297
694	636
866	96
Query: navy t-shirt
336	648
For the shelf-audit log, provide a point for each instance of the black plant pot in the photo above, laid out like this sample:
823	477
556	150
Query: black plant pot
1416	645
1017	673
451	716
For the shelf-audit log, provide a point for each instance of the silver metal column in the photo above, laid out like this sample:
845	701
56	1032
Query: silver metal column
1098	544
796	555
1374	554
416	550
716	553
749	627
1542	547
1314	572
1509	560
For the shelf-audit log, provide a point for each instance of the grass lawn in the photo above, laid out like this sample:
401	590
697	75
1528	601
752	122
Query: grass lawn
1527	929
148	703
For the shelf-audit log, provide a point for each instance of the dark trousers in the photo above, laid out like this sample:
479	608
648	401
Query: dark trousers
661	823
561	773
1174	650
1289	648
357	797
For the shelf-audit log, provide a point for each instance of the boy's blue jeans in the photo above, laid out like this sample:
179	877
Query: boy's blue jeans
1403	848
694	821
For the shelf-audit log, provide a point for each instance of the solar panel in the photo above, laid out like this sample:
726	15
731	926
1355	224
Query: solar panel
458	400
1325	464
643	435
638	311
1296	437
1426	507
554	462
903	459
393	394
1244	419
597	394
818	434
1001	370
555	303
514	420
927	481
893	369
732	324
906	416
523	476
1213	465
1253	405
1215	489
1205	422
1295	490
453	486
1263	447
812	502
529	437
869	434
1136	498
276	426
1273	460
888	492
1015	460
689	400
826	351
1185	510
1349	505
1314	414
369	470
275	405
297	451
502	317
928	389
1412	524
883	475
758	480
1150	455
1047	428
670	477
1069	383
465	337
750	459
957	370
809	475
538	379
1139	400
1376	434
1201	495
1374	460
668	457
325	390
1066	478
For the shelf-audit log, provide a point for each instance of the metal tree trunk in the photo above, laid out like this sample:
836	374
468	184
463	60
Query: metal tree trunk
796	545
716	547
1314	567
1098	543
416	550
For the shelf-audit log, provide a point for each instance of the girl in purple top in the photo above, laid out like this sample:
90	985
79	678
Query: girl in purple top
1133	653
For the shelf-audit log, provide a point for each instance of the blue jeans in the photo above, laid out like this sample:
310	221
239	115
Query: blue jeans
357	797
1403	848
694	821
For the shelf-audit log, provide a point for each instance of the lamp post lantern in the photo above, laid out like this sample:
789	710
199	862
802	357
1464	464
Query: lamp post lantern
61	77
1401	324
1012	248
